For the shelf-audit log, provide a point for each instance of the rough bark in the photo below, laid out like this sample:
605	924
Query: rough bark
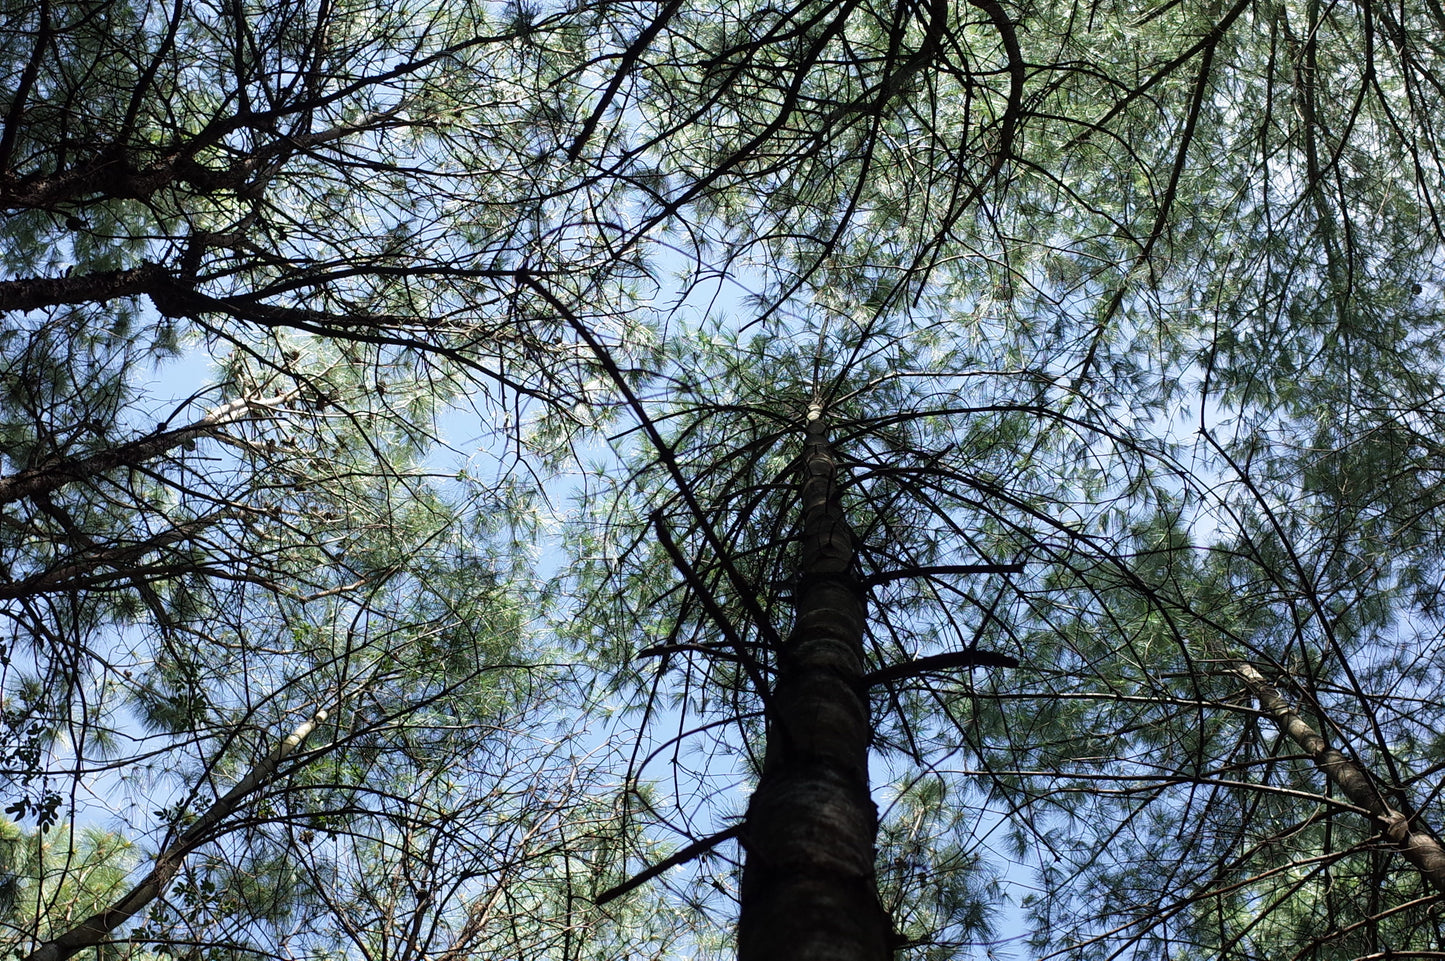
1417	846
809	890
34	293
98	928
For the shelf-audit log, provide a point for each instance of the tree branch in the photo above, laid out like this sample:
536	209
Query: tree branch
681	857
1419	847
57	473
951	661
873	580
95	929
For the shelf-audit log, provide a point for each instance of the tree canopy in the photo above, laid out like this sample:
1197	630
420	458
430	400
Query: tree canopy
671	479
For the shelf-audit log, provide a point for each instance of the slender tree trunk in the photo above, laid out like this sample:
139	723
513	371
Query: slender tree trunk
97	928
1417	846
809	890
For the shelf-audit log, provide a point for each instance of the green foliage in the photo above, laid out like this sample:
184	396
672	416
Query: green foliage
49	879
257	260
1145	299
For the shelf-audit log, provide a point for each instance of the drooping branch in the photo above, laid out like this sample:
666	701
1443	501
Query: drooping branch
94	568
116	171
1416	845
761	622
97	928
715	611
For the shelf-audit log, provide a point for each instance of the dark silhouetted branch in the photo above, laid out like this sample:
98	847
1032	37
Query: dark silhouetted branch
681	857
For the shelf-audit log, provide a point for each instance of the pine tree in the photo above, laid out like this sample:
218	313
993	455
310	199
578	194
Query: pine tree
244	280
1143	300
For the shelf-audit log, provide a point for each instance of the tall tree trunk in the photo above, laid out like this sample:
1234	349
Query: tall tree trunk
809	889
1416	844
